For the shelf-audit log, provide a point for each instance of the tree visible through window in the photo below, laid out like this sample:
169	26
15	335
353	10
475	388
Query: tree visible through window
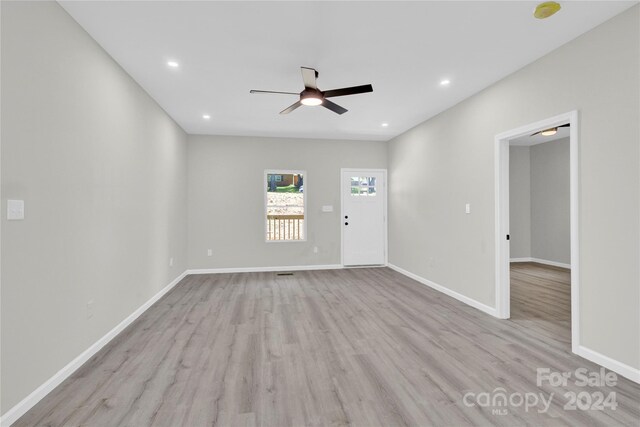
285	200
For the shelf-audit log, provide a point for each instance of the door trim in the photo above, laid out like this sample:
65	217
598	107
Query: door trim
502	261
386	214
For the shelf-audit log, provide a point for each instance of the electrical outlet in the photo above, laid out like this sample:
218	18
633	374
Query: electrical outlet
170	262
315	249
89	309
209	252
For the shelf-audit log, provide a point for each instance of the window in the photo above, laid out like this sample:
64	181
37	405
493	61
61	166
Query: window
285	206
363	186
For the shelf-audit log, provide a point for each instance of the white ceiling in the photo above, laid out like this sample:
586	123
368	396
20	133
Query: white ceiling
528	140
403	48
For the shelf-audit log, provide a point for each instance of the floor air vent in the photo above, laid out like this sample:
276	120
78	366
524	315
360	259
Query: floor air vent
284	274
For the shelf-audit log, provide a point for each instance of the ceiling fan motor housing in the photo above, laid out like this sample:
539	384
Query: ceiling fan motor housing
311	93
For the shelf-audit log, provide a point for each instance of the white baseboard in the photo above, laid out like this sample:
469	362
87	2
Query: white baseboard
542	261
525	259
618	367
469	301
13	414
264	269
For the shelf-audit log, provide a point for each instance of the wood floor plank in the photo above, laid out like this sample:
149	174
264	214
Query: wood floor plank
358	347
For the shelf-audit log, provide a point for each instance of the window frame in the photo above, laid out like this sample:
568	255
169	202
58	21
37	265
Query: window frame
265	183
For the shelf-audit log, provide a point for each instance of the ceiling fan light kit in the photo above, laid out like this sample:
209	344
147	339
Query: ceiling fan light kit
312	96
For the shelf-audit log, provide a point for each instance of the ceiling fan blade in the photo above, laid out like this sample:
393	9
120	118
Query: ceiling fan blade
272	91
348	91
334	107
309	77
291	108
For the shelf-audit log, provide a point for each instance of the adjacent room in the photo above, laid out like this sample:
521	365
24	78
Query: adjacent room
302	213
540	232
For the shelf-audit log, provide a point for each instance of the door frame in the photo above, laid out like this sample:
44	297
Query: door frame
385	214
502	248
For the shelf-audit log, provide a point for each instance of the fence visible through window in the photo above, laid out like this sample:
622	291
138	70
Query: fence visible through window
285	227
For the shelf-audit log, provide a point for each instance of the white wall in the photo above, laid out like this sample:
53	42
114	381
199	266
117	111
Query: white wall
226	197
102	170
520	202
550	202
452	157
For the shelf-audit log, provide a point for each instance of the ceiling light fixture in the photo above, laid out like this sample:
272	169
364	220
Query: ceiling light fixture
311	97
311	101
384	125
206	116
551	131
445	82
173	64
546	9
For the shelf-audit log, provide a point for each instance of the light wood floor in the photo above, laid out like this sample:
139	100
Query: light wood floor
365	347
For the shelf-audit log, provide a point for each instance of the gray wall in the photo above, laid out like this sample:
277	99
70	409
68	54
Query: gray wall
520	202
229	217
550	202
539	201
102	170
452	157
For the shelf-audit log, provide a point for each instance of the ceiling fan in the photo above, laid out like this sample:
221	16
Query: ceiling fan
550	131
313	96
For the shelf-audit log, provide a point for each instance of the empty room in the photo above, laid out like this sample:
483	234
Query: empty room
309	213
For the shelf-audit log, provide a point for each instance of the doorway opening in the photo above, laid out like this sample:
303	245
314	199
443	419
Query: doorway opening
564	254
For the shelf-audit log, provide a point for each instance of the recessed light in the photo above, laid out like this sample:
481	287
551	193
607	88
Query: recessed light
206	116
445	82
549	132
384	125
173	64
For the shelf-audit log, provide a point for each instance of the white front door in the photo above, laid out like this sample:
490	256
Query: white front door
363	216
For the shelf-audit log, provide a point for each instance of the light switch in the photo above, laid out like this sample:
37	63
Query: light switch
15	209
327	208
467	208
